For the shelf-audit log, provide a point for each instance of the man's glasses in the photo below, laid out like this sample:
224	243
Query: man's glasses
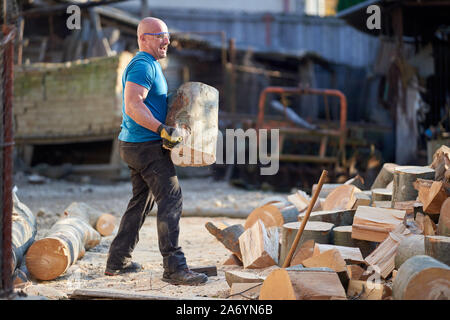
160	35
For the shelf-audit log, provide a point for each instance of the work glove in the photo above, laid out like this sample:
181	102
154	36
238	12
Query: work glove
170	136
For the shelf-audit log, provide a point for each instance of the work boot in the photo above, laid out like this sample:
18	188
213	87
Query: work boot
185	277
129	267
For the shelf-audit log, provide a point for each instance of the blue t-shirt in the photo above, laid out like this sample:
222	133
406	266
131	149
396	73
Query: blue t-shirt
145	71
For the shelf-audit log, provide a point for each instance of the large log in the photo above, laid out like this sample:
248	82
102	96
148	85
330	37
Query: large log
318	231
438	247
409	247
374	224
64	244
444	219
195	108
337	217
259	246
23	231
385	176
342	236
422	278
341	198
272	215
302	284
103	222
404	177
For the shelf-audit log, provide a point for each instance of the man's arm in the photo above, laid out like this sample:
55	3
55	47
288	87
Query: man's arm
136	109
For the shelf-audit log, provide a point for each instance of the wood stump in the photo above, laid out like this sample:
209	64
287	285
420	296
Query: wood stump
438	247
404	177
195	108
320	232
422	278
409	247
342	236
64	244
302	284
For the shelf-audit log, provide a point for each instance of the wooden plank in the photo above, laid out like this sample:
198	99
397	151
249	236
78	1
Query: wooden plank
122	295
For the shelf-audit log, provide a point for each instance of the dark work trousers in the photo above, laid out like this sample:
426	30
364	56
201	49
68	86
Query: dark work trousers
153	179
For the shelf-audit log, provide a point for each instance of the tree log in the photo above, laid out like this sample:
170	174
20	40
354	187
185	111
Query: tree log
228	236
409	247
342	236
302	284
195	108
23	231
336	217
438	247
404	177
385	176
320	232
374	224
444	219
64	244
104	223
259	246
341	198
422	278
272	215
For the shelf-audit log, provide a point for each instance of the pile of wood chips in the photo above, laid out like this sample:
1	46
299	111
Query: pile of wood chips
389	242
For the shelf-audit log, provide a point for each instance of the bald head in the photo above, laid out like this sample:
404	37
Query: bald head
148	43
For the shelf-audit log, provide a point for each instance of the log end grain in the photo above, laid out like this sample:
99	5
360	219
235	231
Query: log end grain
105	224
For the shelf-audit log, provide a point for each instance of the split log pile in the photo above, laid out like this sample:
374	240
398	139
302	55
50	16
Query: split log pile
389	242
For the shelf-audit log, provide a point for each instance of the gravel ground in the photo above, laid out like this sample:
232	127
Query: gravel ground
49	199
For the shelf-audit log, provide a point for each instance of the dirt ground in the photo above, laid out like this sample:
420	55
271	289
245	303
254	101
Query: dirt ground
48	201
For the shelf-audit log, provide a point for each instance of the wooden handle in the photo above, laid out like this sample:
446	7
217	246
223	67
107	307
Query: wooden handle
287	261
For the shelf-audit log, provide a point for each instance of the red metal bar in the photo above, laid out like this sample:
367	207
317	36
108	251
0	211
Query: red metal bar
296	90
8	72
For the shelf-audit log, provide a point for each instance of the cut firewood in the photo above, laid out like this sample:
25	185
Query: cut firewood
302	284
357	181
64	244
429	227
404	177
411	207
362	199
327	188
329	258
245	291
438	247
336	217
382	259
444	219
23	231
422	278
374	224
363	290
242	277
441	162
409	247
259	246
272	215
354	271
300	200
103	222
342	236
379	194
320	232
381	204
351	255
433	197
232	260
228	236
385	176
305	251
341	198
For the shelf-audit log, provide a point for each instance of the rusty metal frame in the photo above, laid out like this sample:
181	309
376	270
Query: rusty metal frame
289	127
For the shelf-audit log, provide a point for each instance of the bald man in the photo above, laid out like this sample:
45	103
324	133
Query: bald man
144	144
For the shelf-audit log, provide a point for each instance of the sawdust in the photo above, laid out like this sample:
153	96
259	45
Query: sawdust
49	200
